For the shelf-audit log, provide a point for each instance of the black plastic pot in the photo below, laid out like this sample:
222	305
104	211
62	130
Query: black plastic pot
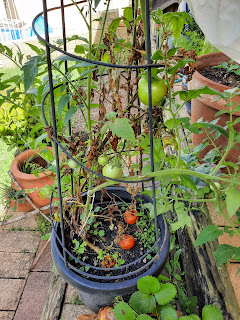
97	294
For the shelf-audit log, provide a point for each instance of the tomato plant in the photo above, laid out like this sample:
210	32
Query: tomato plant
126	242
103	160
112	171
131	216
158	90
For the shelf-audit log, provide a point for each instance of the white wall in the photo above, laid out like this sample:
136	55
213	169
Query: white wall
28	9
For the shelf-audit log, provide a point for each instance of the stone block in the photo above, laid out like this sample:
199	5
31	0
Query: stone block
10	293
15	264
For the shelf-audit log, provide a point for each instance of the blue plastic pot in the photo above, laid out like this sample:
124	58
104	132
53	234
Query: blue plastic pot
100	294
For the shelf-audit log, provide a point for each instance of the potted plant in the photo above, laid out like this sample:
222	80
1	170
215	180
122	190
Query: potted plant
30	171
209	109
94	246
16	199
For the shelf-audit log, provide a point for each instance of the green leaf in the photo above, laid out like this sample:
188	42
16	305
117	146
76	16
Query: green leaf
127	13
40	139
172	123
191	305
211	312
171	52
96	3
161	208
166	293
148	285
192	94
209	233
142	302
168	313
123	129
158	55
123	311
79	49
101	233
62	103
225	252
46	236
69	114
191	317
36	49
212	126
144	317
232	200
188	182
114	24
30	70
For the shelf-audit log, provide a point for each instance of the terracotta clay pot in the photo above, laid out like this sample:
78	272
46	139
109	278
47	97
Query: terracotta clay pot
30	181
204	107
22	207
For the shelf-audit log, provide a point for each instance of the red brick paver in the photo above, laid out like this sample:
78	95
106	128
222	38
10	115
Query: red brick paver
33	298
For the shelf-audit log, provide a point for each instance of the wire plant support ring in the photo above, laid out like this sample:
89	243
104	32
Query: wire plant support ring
93	287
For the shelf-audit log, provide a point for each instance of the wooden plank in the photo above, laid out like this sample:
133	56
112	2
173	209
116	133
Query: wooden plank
54	299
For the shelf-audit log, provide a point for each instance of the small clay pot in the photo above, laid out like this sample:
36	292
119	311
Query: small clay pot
30	181
22	207
204	107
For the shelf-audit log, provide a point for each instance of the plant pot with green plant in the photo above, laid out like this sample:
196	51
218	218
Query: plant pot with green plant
30	171
209	109
94	245
16	199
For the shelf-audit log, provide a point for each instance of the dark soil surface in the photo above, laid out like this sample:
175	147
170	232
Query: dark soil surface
220	75
111	224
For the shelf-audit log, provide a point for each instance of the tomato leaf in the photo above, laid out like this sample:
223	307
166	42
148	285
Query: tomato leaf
225	252
123	129
209	233
144	317
232	200
69	114
62	103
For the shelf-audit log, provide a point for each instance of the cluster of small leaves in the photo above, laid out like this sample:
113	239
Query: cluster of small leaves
154	297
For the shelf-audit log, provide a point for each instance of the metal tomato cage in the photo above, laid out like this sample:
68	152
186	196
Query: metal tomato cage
162	241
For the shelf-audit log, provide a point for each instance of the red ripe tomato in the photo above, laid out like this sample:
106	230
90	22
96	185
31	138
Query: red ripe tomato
130	216
127	242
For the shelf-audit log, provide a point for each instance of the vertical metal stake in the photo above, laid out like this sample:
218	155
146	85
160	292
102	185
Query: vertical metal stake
148	42
54	124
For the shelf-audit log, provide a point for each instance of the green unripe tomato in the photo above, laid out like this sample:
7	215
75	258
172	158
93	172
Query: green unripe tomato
112	171
158	90
72	164
61	163
102	160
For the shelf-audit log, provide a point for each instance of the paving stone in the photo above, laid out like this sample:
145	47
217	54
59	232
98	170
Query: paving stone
19	241
73	311
6	315
232	269
45	262
217	218
28	223
33	298
71	294
10	293
15	264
